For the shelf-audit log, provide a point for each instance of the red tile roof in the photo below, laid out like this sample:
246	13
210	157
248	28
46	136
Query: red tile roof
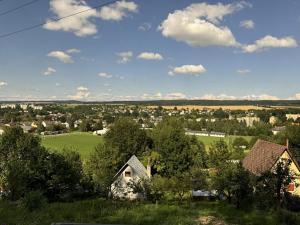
263	156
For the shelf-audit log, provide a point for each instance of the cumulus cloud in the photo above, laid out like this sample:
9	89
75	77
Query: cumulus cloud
260	97
118	10
218	97
105	75
199	24
73	50
124	57
156	96
248	24
175	96
82	93
150	56
49	71
3	84
270	42
82	24
231	97
145	27
195	70
295	97
243	71
61	56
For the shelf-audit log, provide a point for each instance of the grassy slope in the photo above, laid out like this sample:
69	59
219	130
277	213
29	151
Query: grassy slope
101	211
84	143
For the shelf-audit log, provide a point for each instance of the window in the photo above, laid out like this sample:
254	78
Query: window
127	174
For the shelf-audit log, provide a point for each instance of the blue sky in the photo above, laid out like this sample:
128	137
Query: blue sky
158	49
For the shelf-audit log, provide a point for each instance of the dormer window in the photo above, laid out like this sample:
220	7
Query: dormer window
127	174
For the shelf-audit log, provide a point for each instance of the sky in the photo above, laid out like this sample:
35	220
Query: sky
151	50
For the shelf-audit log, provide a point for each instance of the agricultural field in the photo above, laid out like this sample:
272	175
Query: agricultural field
84	143
214	107
207	141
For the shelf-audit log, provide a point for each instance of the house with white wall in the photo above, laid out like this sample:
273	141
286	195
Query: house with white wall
132	171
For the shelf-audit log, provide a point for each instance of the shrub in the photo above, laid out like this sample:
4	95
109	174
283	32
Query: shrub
291	202
34	200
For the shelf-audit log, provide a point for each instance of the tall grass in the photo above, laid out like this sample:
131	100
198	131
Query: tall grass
137	213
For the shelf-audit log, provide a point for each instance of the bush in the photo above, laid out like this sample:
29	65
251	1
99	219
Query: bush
34	200
291	202
289	218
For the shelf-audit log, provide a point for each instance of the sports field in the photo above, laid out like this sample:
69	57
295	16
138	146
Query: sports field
84	143
207	141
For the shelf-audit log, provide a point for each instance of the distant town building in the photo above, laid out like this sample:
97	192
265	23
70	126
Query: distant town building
276	130
292	116
273	120
205	133
249	120
8	106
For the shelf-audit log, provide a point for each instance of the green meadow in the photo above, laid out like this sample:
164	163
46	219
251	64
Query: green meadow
207	141
143	213
84	143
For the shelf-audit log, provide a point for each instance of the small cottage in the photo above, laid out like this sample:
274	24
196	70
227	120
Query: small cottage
264	156
132	171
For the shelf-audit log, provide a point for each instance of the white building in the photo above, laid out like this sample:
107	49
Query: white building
100	132
292	116
272	120
249	120
132	171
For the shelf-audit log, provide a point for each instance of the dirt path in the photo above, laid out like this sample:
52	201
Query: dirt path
211	220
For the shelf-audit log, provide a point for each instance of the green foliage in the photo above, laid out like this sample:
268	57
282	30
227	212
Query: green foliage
34	200
218	153
234	182
103	165
174	147
26	166
127	137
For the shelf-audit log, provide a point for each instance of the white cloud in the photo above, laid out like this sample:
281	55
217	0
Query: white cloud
260	97
147	96
124	57
195	70
243	71
118	10
218	97
248	24
199	24
49	71
270	42
231	97
174	96
73	50
61	56
82	93
3	84
145	27
150	56
295	97
105	75
81	24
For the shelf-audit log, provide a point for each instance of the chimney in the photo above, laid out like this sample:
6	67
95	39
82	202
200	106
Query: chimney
149	168
287	144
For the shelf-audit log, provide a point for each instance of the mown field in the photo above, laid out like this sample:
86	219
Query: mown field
84	143
207	141
143	213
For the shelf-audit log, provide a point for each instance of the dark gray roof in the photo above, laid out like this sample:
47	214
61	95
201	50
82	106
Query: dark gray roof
136	166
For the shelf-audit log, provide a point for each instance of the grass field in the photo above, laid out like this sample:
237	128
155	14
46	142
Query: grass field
142	213
207	141
214	107
84	143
